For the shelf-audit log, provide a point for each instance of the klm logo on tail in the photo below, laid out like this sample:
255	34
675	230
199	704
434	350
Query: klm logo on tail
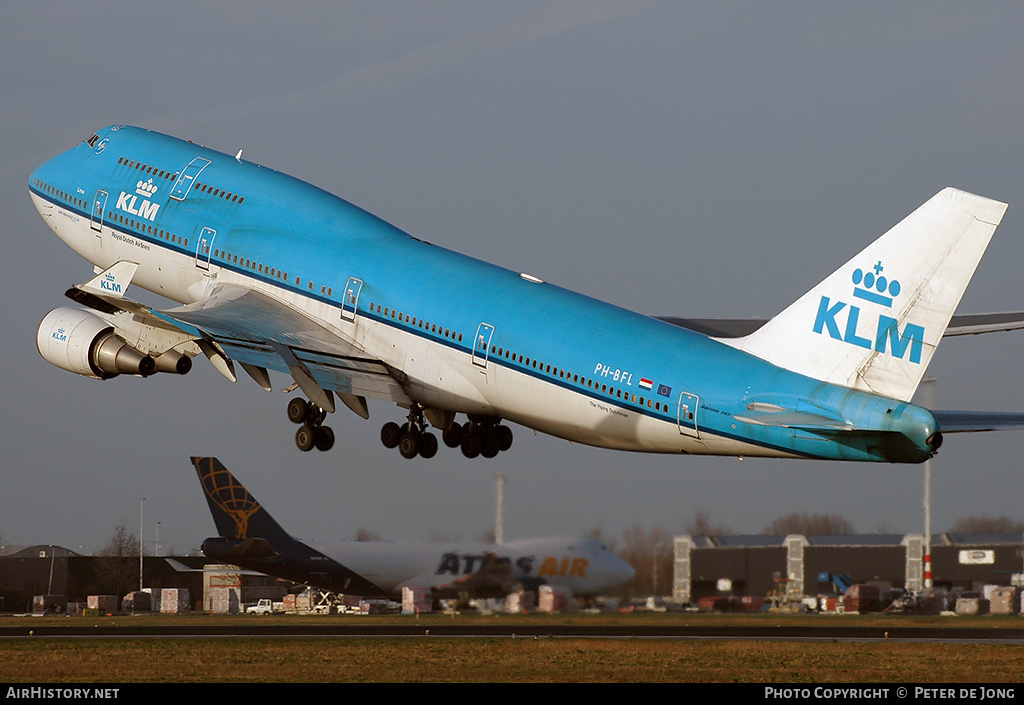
871	286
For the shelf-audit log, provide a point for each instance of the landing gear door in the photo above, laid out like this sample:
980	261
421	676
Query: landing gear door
688	404
99	205
350	300
482	343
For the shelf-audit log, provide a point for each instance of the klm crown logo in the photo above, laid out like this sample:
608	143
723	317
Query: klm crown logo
872	286
875	286
109	283
146	188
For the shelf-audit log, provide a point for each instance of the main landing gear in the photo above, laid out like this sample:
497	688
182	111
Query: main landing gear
312	433
480	436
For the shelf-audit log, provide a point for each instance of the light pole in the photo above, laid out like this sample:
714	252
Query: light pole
142	507
927	398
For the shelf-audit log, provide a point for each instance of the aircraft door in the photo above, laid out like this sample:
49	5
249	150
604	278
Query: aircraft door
350	300
687	419
187	177
99	205
482	343
204	248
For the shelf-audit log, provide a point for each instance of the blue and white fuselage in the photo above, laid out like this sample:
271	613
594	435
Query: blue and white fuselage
277	274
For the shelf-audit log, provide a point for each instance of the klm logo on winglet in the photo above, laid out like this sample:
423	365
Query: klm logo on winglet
871	286
109	283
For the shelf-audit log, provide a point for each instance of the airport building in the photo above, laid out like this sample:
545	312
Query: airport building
759	566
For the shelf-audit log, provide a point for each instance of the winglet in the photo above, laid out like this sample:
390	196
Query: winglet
875	322
113	281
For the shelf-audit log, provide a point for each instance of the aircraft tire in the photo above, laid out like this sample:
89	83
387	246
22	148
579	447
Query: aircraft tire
390	434
471	445
428	445
453	435
298	409
408	445
305	438
323	438
489	446
504	436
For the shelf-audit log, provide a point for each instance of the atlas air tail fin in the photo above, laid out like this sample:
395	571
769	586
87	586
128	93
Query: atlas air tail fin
875	322
236	513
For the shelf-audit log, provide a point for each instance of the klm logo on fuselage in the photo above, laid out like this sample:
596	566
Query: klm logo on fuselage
144	190
873	287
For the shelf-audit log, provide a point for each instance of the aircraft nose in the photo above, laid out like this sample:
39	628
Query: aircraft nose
619	572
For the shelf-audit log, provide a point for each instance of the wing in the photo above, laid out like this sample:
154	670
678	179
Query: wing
235	324
960	324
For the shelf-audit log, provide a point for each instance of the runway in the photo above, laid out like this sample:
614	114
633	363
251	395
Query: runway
293	628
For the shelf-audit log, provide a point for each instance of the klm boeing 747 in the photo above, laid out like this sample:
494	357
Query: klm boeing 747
275	274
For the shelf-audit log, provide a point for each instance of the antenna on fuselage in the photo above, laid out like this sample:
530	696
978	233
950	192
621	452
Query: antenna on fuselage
238	157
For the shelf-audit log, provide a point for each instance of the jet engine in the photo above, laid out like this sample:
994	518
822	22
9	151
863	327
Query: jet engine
80	342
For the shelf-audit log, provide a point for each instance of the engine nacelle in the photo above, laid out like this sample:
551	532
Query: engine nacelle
77	341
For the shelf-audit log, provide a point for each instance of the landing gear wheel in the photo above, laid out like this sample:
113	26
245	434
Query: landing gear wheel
471	445
390	434
489	447
428	445
323	438
503	434
298	410
453	436
408	445
305	438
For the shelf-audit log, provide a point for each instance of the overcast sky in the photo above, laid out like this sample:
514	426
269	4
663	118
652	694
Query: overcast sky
692	159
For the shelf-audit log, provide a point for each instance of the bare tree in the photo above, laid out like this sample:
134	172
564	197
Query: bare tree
597	534
987	525
650	554
809	524
366	535
118	567
701	525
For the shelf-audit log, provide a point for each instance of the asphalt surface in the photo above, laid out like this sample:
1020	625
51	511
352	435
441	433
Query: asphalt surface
267	628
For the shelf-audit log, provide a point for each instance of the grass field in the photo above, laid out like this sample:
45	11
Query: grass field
435	659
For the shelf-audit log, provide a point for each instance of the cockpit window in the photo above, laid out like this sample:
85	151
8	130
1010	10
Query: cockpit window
92	140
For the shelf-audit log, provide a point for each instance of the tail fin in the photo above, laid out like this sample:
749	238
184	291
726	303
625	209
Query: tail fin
875	322
236	513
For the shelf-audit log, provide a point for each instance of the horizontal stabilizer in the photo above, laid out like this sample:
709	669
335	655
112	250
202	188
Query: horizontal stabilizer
960	324
978	323
974	421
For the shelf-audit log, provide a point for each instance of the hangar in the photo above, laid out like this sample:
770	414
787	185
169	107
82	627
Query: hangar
757	565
